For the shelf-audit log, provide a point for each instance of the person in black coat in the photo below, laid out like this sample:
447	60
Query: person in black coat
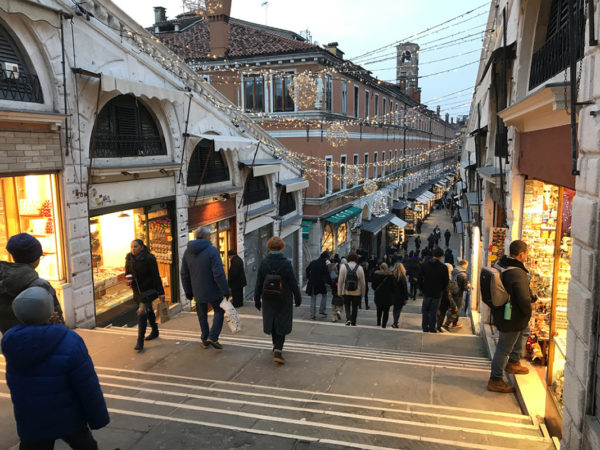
433	280
384	287
142	273
400	292
448	256
318	279
413	271
277	314
237	279
418	244
447	236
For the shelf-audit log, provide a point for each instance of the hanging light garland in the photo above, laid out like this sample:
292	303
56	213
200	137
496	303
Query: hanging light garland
369	187
303	90
337	135
202	7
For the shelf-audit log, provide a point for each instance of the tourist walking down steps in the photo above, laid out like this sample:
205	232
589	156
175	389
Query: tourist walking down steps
318	279
433	280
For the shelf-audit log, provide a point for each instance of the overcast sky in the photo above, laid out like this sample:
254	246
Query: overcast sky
360	26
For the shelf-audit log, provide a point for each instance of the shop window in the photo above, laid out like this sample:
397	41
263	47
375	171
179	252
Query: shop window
254	93
18	80
342	234
282	100
30	204
327	241
206	166
255	190
287	203
126	128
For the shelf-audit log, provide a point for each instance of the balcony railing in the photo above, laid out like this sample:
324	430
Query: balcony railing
20	87
553	57
126	146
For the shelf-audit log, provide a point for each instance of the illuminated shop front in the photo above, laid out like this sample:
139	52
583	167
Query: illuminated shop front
111	234
31	204
546	228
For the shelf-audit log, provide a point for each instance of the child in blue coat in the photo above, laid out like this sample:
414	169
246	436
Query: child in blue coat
52	381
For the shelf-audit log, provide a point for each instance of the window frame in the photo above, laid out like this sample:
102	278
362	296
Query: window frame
375	159
356	100
328	175
290	200
376	106
344	97
254	108
383	163
356	162
282	76
328	92
343	171
255	196
367	100
366	166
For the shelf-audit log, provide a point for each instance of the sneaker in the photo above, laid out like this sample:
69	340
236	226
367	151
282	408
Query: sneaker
457	325
440	330
203	344
353	324
324	314
516	367
215	344
278	357
348	323
395	325
498	385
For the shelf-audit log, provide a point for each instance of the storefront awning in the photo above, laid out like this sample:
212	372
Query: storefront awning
422	199
306	224
398	222
262	167
122	86
467	164
430	195
440	185
466	215
224	142
294	184
460	228
472	199
400	205
376	225
344	216
490	173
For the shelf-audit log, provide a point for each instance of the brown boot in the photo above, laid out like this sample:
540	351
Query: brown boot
516	367
498	385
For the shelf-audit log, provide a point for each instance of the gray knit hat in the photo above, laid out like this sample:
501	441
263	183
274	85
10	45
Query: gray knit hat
33	306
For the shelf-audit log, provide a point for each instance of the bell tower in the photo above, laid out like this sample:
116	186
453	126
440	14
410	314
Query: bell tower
407	69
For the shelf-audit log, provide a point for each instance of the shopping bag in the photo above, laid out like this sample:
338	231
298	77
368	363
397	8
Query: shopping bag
162	312
231	316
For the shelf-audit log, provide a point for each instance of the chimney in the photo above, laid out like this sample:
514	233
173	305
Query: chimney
447	117
438	110
414	93
218	26
332	48
160	14
452	121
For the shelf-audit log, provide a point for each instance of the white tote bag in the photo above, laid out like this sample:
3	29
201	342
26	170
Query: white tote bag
231	316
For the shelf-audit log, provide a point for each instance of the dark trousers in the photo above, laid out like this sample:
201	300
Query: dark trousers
396	313
413	288
447	242
429	312
80	440
351	305
455	312
217	325
237	296
278	340
143	319
366	296
383	313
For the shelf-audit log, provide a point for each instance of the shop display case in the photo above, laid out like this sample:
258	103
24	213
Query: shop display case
342	234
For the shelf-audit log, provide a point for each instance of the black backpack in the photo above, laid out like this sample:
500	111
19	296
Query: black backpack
351	282
273	284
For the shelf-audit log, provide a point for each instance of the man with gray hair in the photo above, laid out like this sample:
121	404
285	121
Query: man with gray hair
203	279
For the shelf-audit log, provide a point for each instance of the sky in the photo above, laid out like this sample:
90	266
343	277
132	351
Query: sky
361	27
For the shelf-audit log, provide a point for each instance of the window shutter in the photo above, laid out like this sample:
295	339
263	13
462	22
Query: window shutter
287	204
216	170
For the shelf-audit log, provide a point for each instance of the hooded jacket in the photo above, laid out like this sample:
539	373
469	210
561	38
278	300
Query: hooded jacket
459	274
53	385
516	283
15	278
202	274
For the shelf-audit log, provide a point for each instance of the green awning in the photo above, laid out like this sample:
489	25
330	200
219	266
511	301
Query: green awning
344	216
306	224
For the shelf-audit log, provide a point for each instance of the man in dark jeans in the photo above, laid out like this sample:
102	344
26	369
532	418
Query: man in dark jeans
513	332
433	279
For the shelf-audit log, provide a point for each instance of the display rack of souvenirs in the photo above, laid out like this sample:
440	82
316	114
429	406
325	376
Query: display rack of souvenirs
497	240
160	239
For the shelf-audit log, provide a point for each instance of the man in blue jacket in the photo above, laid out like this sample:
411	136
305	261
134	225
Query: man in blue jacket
52	381
204	280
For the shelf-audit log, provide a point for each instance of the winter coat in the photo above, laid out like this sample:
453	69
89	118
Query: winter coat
53	385
449	257
15	278
317	276
362	282
434	278
146	281
400	291
237	276
385	288
516	283
413	269
278	315
202	274
459	274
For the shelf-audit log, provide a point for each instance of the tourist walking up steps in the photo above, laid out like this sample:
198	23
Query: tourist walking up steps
203	279
401	292
237	279
515	330
384	288
277	285
434	279
448	303
413	272
318	279
337	301
459	275
351	285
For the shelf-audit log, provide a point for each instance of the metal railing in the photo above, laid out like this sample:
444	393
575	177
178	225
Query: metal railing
111	146
20	87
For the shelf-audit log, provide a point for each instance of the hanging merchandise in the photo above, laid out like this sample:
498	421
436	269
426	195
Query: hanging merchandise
337	135
496	248
303	90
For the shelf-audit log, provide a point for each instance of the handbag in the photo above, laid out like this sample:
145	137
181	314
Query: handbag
231	315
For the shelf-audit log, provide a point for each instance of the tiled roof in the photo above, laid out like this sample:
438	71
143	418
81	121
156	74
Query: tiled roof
245	39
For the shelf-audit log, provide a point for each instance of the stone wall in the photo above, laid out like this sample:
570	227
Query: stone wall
31	151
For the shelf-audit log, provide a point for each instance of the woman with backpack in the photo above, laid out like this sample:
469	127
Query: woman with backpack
401	292
351	286
276	283
384	287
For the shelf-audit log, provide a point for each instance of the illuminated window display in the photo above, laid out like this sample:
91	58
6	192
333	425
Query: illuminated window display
342	234
547	231
111	235
327	242
30	204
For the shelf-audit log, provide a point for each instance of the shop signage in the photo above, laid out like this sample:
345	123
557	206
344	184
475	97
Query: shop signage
210	212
